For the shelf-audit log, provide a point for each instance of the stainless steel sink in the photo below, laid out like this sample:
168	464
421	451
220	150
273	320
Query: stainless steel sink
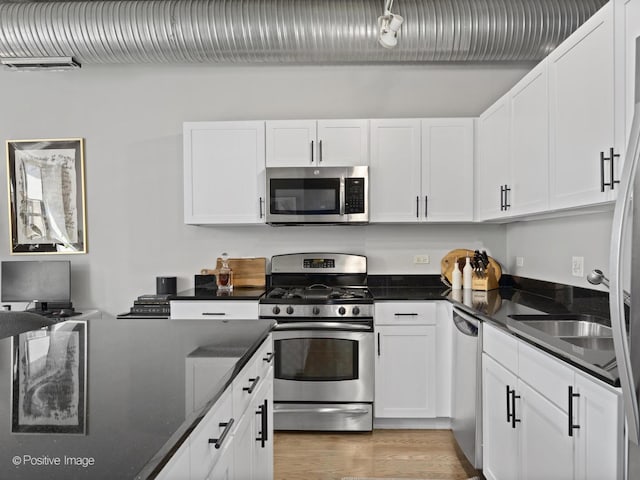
591	343
581	328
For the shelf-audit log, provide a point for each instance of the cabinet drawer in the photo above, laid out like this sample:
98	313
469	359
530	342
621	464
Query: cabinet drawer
501	346
264	357
548	376
405	313
214	310
203	453
245	385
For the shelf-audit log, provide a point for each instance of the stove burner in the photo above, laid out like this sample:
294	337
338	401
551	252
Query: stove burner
318	292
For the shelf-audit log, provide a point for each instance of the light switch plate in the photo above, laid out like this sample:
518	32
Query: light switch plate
577	266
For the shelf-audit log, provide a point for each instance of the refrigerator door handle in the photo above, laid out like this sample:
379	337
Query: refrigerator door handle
616	295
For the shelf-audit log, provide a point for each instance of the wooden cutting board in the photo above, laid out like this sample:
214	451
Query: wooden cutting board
447	262
247	272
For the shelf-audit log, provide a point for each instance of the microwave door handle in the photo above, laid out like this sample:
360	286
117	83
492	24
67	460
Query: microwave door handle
342	196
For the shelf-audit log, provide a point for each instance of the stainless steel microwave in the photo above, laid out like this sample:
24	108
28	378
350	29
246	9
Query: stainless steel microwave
316	195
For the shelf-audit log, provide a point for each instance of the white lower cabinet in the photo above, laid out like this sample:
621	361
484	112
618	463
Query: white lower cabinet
234	440
405	370
545	419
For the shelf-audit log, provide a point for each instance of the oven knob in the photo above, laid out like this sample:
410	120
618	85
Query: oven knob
356	310
316	310
276	310
342	311
289	310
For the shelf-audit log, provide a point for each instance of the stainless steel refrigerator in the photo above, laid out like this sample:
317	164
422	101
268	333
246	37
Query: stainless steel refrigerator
624	265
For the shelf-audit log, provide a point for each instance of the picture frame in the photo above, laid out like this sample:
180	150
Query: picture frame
46	187
49	380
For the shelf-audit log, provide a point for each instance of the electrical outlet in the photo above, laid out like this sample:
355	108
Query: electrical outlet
421	259
519	261
577	266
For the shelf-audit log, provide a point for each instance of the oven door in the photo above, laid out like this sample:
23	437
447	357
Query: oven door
330	364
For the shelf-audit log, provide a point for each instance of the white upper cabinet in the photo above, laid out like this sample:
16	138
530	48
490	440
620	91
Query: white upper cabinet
421	170
529	145
307	143
492	162
447	170
394	171
582	114
224	172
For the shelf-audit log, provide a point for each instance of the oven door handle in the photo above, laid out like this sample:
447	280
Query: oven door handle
355	327
353	410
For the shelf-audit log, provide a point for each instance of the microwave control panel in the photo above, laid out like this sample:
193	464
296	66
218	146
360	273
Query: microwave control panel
354	195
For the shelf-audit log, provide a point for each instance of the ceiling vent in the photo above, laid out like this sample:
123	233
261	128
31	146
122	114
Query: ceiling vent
286	31
40	63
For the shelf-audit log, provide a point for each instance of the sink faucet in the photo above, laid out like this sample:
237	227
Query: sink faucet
596	277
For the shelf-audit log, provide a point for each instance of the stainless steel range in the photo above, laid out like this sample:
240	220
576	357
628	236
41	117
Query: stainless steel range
323	342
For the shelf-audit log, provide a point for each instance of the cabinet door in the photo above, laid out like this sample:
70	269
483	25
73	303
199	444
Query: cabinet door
529	148
343	143
263	438
224	467
405	372
499	438
447	170
546	450
581	95
243	446
395	171
492	161
224	177
599	438
291	143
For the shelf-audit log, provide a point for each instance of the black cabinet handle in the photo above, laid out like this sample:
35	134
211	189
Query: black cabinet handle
261	210
251	388
227	428
514	420
320	151
264	423
378	343
311	151
418	207
571	396
426	206
406	314
268	358
508	404
602	184
507	205
501	198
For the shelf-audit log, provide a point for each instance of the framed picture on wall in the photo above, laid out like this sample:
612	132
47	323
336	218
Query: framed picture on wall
47	196
49	388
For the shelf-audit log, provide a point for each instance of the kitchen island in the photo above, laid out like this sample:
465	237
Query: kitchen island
135	399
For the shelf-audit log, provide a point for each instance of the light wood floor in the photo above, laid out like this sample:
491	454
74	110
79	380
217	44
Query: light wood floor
423	454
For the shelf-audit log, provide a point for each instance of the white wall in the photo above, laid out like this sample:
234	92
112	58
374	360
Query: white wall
131	119
549	245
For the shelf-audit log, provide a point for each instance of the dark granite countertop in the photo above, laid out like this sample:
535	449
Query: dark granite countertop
135	399
212	294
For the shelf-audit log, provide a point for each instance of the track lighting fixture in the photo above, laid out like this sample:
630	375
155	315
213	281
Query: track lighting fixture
389	24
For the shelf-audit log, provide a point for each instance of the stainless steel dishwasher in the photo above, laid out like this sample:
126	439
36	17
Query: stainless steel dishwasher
466	421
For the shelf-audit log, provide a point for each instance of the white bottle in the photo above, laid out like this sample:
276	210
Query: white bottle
467	274
456	277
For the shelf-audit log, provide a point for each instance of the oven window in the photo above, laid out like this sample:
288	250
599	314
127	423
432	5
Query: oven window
316	359
314	196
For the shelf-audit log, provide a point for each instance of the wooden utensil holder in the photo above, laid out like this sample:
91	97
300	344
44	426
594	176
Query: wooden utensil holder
486	282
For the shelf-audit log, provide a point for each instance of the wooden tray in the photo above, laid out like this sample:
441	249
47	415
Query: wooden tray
446	264
247	272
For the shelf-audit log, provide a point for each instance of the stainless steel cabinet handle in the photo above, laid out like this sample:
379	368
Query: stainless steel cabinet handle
227	428
251	388
571	396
